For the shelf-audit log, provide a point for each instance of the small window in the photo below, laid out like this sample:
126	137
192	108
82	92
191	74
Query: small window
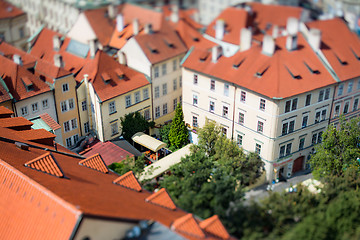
346	107
226	89
195	79
164	88
356	103
24	111
337	110
163	67
156	72
68	142
282	151
288	149
301	143
260	127
212	106
308	100
239	140
64	107
294	104
114	129
145	93
284	130
174	64
305	121
175	84
212	84
243	96
195	121
262	104
65	87
45	104
157	92
147	114
224	131
341	89
180	81
321	95
350	86
358	85
287	106
195	100
71	103
164	108
137	96
84	105
66	126
86	127
34	107
75	138
128	100
175	103
73	123
323	115
225	111
112	108
291	126
241	118
21	32
157	111
180	100
258	148
327	94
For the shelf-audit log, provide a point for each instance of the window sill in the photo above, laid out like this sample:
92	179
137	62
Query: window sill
112	113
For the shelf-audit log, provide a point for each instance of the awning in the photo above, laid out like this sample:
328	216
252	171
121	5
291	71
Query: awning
161	166
148	141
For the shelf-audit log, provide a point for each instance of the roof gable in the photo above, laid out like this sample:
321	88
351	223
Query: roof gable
82	31
128	180
188	225
214	226
161	198
46	163
95	162
50	121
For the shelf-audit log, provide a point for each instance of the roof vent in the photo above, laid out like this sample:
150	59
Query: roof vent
340	58
311	68
58	60
315	38
119	73
95	162
119	22
220	29
161	198
216	53
128	180
357	55
238	62
245	39
22	146
135	26
47	164
204	56
27	83
152	48
17	59
169	43
293	72
260	72
268	46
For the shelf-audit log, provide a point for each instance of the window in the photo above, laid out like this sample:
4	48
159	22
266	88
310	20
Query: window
226	89
337	110
45	104
175	84
316	138
164	108
243	96
258	148
157	112
86	127
163	68
285	150
157	92
195	100
73	123
84	105
294	104
147	114
358	85
137	97
288	149
308	100
321	96
346	107
195	79
291	126
195	121
64	107
291	105
175	103
68	142
75	138
320	115
66	126
114	129
288	127
164	88
224	131
356	103
24	111
174	64
180	81
212	106
112	108
301	143
65	87
225	111
305	121
71	103
212	84
241	118
327	94
156	71
341	89
239	140
34	107
146	93
180	100
21	32
282	151
350	86
287	106
260	127
262	104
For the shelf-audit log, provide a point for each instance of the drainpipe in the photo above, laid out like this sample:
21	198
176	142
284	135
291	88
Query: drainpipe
233	120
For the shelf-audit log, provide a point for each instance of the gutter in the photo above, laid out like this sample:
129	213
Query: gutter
76	228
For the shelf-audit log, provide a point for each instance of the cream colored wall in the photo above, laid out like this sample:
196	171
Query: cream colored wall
102	229
83	115
136	58
8	105
11	27
82	31
96	118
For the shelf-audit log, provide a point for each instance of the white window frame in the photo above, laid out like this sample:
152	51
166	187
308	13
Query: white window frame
260	127
45	103
157	112
145	93
114	128
174	84
226	89
225	112
24	111
86	127
164	89
195	122
212	84
164	69
157	92
137	97
288	124
262	104
195	79
156	72
65	87
243	96
84	105
350	87
147	114
165	111
112	107
340	89
195	100
34	107
211	106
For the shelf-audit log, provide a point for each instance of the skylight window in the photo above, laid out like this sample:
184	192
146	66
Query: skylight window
238	62
340	58
293	72
311	68
204	56
260	72
106	77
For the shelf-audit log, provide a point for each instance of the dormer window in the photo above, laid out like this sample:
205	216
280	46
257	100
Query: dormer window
106	77
27	83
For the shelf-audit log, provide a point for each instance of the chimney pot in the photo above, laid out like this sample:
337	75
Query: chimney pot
219	29
93	48
148	28
58	61
119	22
17	59
121	57
292	26
315	38
245	39
216	53
56	43
174	14
268	47
275	32
291	42
111	11
136	26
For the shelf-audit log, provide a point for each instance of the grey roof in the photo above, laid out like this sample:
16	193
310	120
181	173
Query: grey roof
126	146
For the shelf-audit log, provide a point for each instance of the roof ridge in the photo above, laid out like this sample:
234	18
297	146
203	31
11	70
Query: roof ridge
46	163
214	226
187	224
161	198
95	162
128	180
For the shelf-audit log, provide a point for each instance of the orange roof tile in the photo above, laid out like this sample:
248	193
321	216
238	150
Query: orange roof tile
161	198
95	162
18	123
128	180
102	25
50	121
9	51
214	226
8	10
35	134
340	47
188	225
47	164
5	112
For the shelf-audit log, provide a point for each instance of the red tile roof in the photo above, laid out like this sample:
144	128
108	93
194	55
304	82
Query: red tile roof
35	134
339	43
5	112
50	121
109	152
47	164
188	226
214	226
5	95
161	198
128	180
274	78
8	10
118	39
9	51
18	123
95	162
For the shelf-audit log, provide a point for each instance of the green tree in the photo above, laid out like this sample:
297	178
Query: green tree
339	150
129	164
164	133
132	123
178	135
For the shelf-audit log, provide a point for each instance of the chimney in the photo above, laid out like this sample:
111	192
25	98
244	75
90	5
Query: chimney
121	57
86	79
216	53
93	48
119	22
58	61
219	29
276	31
174	14
245	39
17	59
56	43
268	47
291	42
315	38
292	28
148	28
136	26
112	11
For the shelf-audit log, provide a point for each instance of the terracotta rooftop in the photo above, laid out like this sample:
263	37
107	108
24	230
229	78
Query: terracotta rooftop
95	162
5	112
8	10
109	152
340	46
18	123
161	198
9	51
284	74
50	121
5	94
47	164
188	226
129	181
214	226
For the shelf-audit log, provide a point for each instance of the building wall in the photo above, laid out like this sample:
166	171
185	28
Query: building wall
136	58
14	31
82	31
8	105
84	113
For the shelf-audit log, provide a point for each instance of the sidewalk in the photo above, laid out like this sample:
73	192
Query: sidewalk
260	192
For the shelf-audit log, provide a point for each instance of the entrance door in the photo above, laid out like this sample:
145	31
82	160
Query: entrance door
298	164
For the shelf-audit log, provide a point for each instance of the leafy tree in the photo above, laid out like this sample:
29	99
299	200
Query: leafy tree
129	164
178	135
132	123
339	150
164	133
